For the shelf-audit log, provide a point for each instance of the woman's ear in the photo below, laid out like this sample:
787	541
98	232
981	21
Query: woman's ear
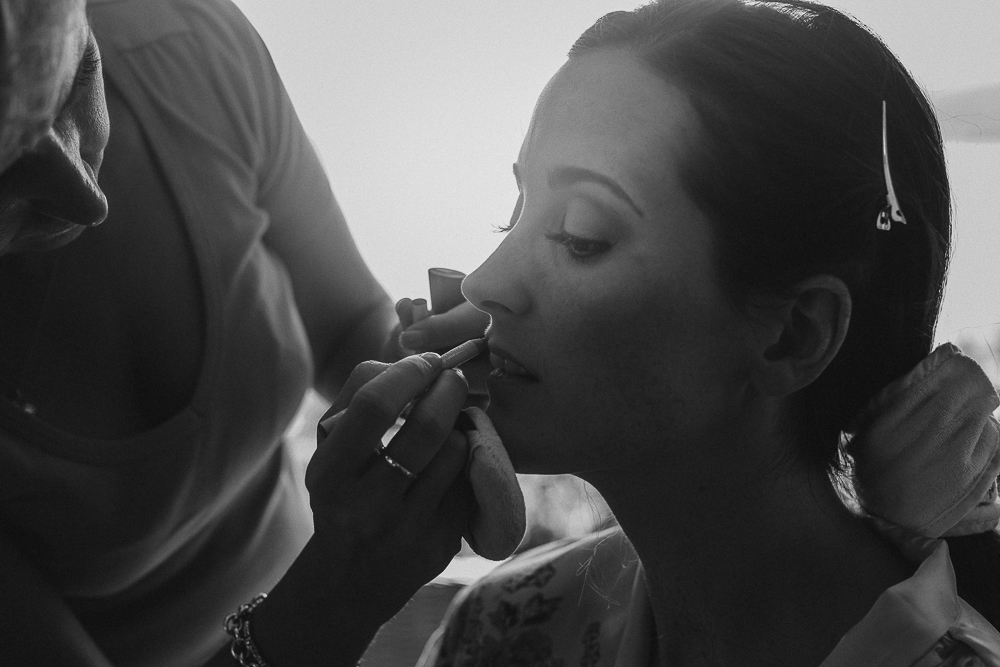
802	335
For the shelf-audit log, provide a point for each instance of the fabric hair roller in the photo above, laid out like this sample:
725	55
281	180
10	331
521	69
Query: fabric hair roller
927	450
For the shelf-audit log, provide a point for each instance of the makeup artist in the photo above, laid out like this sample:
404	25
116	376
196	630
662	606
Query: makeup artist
149	368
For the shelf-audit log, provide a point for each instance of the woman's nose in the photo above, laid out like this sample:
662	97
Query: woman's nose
498	286
58	182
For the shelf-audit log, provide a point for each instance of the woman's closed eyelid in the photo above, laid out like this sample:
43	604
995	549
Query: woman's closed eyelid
588	219
581	218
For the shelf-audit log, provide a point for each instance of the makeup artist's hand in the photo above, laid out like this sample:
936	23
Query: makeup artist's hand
402	532
444	331
379	534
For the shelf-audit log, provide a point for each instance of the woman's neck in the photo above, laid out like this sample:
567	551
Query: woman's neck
749	565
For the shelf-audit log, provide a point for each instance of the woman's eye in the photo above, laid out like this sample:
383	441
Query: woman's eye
579	248
87	72
90	66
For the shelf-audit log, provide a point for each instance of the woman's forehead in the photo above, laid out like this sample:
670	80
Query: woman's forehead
607	110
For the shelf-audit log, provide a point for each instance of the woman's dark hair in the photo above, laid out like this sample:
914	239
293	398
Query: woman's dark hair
788	166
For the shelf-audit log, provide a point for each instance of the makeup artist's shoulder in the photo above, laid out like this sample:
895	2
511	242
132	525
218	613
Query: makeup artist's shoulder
132	24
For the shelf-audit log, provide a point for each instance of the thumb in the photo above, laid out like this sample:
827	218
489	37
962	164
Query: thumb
437	332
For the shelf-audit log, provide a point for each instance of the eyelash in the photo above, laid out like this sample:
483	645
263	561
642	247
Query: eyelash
503	229
568	241
590	248
90	65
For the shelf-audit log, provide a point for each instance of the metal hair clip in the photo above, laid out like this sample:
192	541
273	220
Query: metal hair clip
891	210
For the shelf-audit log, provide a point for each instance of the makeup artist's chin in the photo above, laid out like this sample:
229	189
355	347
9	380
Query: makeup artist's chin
43	234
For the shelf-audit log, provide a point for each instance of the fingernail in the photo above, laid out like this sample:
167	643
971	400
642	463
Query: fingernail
433	358
323	428
412	340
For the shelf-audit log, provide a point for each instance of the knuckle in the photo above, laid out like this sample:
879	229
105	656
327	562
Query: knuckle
316	470
330	412
416	366
456	381
311	478
456	446
366	370
429	426
372	404
327	425
353	524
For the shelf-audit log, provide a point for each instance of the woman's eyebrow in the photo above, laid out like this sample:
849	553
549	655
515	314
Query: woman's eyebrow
563	176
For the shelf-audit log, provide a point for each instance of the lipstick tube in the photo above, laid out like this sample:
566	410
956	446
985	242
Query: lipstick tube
446	289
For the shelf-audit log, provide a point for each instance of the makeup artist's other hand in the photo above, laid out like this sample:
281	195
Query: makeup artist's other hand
442	332
382	534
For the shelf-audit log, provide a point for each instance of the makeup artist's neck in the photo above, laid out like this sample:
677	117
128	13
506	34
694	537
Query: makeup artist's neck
748	563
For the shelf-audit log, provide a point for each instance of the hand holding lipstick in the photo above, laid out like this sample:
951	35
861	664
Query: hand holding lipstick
385	522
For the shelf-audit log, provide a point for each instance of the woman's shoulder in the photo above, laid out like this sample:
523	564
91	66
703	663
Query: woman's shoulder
600	561
921	621
568	602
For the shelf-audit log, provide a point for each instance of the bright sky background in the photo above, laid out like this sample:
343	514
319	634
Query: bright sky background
418	110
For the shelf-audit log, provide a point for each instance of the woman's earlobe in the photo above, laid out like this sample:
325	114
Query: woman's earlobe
807	334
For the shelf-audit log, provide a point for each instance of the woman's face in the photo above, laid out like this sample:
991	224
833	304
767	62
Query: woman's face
53	126
614	342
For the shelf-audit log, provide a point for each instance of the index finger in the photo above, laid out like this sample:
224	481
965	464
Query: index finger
404	312
374	407
363	373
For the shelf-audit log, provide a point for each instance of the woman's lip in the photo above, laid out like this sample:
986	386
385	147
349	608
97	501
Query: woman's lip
504	361
44	233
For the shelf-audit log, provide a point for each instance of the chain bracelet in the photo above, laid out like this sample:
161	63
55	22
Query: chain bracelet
238	627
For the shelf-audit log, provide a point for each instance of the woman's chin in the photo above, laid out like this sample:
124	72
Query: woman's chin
508	429
529	454
534	446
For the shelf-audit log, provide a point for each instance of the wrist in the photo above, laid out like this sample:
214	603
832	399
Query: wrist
237	626
310	618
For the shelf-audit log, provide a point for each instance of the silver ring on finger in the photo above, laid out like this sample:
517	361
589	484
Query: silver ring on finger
393	463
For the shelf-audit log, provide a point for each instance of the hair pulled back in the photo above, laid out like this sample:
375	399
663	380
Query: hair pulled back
788	166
